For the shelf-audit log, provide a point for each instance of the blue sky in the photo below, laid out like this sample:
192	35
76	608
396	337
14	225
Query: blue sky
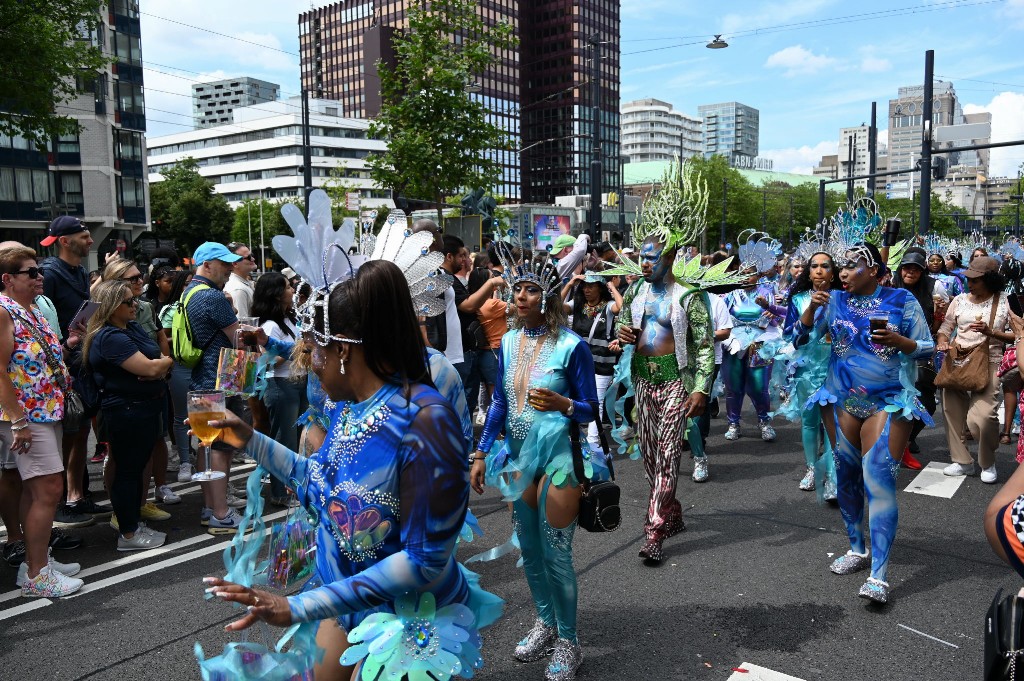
809	66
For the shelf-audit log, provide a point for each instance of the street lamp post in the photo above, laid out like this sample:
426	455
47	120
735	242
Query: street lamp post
595	120
725	203
263	251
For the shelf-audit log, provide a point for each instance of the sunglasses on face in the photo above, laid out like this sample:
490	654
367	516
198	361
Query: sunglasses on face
137	279
32	272
131	302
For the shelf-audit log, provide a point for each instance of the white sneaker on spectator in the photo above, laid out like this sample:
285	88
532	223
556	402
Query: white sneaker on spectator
140	541
235	502
958	469
989	475
51	584
226	525
185	472
66	569
165	495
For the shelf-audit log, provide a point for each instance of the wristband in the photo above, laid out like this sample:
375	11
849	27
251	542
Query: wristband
21	420
18	429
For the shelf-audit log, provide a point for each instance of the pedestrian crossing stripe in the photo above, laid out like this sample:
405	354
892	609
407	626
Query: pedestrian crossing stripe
933	483
751	672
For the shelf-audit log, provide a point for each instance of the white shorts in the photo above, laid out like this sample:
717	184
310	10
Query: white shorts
43	458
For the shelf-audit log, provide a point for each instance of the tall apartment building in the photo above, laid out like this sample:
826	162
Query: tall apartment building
98	174
260	152
730	129
538	93
653	131
213	102
905	122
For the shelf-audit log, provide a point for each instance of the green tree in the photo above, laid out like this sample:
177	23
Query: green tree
44	46
437	135
186	209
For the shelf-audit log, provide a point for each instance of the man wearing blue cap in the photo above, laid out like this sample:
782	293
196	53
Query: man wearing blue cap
213	323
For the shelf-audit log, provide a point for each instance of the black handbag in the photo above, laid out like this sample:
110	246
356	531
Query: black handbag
1004	630
599	505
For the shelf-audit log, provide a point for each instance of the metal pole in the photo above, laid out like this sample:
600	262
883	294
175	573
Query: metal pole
764	211
926	143
595	160
821	201
872	144
263	253
849	167
791	222
307	169
725	203
248	214
1016	231
622	200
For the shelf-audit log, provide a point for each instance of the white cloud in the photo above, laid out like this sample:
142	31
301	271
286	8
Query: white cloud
870	64
797	60
800	159
771	14
1007	125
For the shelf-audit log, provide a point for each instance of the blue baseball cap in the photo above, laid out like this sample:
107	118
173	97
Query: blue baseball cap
211	250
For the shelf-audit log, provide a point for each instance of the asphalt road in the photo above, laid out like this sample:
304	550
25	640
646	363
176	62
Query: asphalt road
748	582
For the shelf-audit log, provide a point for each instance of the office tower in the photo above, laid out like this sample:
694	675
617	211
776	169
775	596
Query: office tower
213	102
730	129
653	131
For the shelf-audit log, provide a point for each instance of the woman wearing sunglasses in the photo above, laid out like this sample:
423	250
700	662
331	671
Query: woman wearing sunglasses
31	408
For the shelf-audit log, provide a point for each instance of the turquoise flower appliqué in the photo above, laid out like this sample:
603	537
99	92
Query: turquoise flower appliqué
417	641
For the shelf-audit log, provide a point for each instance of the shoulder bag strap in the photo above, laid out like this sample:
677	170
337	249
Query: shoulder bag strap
56	366
996	299
593	327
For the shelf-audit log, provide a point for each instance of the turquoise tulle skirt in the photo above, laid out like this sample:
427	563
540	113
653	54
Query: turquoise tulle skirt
546	450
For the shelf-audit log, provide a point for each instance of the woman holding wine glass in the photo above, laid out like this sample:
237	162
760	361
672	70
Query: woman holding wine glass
385	540
131	372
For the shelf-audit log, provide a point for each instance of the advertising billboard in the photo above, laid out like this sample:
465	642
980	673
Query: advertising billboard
547	228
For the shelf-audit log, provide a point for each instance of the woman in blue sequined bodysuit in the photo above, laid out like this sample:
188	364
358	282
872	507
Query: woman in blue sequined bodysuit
385	539
545	387
870	384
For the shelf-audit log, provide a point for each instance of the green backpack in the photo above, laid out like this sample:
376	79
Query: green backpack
182	348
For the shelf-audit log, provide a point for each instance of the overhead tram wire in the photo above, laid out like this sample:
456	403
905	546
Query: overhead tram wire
218	33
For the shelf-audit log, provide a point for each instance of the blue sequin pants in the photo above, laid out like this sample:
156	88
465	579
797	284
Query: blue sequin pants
547	562
741	379
873	473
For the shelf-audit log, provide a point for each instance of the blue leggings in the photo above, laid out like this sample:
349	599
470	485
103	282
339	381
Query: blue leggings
547	562
875	474
741	379
810	434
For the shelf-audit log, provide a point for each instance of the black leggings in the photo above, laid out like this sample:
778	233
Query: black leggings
132	431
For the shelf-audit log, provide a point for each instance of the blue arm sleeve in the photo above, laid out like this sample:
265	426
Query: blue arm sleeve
801	333
498	410
448	382
582	385
434	494
792	317
279	461
280	348
915	327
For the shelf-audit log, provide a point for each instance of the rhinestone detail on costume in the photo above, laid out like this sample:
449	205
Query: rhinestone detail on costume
863	306
350	433
519	424
559	538
538	642
565	661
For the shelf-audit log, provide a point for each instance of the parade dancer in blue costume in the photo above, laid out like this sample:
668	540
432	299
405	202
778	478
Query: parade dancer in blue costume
756	337
808	366
870	384
383	535
545	387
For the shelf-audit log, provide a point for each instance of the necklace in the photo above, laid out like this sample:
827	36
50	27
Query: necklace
357	423
535	332
591	310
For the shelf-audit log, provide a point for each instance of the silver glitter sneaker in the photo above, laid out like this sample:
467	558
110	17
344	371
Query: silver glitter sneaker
538	643
700	469
830	491
733	432
875	590
565	661
767	432
849	563
807	484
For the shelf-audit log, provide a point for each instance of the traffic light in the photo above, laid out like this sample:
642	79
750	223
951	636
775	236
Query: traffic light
939	167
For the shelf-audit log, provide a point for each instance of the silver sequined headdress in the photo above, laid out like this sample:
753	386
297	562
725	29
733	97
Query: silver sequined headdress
758	251
321	256
542	271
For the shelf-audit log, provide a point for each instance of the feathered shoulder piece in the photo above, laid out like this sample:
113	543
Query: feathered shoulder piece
692	274
758	251
675	214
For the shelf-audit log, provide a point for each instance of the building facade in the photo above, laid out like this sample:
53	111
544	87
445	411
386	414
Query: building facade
730	129
905	123
98	174
538	94
212	103
260	152
653	131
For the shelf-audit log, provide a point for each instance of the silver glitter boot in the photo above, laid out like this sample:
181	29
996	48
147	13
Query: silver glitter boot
849	563
538	643
700	469
807	484
565	661
875	590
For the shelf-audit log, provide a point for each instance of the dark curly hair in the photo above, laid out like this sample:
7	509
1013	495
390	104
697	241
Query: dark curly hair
266	301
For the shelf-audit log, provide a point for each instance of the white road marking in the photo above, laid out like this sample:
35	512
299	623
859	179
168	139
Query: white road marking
945	643
754	673
138	572
931	482
27	606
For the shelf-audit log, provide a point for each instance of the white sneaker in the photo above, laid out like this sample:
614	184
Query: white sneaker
988	475
140	541
66	569
185	472
165	495
50	584
235	502
956	469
